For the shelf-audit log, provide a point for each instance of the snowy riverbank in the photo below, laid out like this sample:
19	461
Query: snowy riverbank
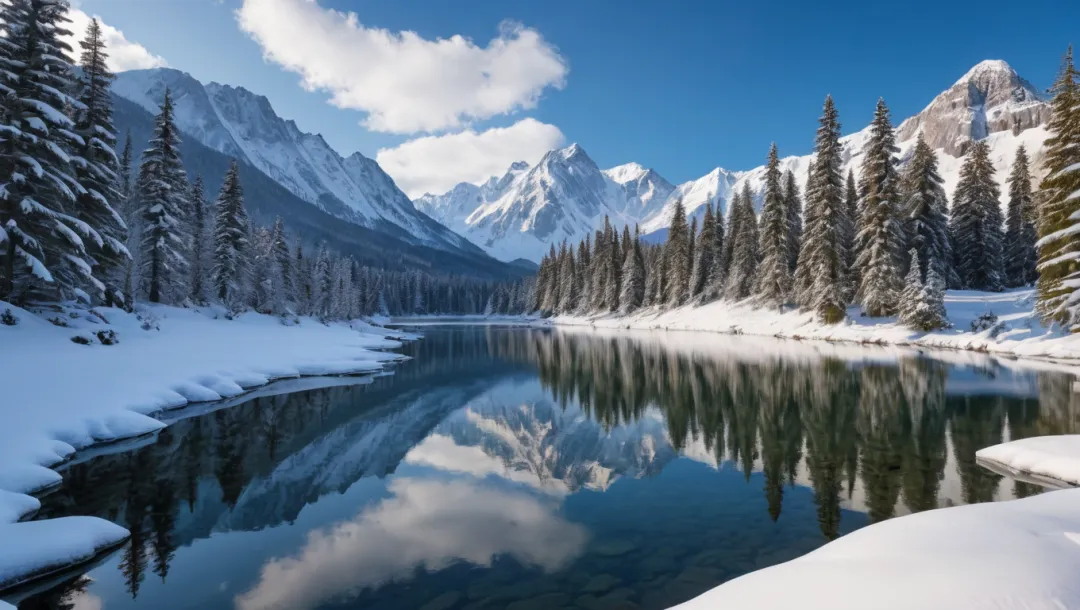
60	396
1020	332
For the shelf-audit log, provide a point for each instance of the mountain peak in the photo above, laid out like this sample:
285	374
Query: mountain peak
985	68
572	151
518	166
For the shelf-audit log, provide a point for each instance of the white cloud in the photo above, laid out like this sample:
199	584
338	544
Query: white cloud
406	84
434	164
123	54
426	524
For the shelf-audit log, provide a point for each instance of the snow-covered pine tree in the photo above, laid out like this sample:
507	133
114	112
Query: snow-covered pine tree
125	169
568	278
283	257
614	271
201	238
633	277
549	300
691	255
716	275
676	253
1059	241
599	274
880	241
793	207
774	275
261	291
823	257
1020	225
803	276
584	268
848	232
922	303
925	210
162	200
976	223
100	205
703	255
230	237
43	251
743	266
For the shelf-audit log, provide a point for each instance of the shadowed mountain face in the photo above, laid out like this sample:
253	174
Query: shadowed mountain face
503	465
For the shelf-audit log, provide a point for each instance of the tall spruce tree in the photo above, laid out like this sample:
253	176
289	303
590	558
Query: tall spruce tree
280	249
676	253
976	223
922	305
1059	240
162	201
100	205
743	267
824	254
880	239
231	241
803	276
201	242
703	255
774	273
925	211
1020	225
584	268
793	207
632	296
568	281
43	248
614	271
715	274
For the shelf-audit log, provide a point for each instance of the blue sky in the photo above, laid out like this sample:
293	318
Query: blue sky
682	87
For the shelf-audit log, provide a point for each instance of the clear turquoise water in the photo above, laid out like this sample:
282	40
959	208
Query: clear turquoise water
517	468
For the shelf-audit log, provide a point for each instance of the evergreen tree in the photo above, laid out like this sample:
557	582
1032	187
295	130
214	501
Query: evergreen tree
99	205
676	253
599	273
704	255
851	204
568	281
549	300
976	222
880	237
1020	225
774	273
823	256
230	237
803	279
793	206
1059	241
925	211
743	266
200	242
42	242
584	267
922	305
716	275
162	200
614	272
280	249
633	277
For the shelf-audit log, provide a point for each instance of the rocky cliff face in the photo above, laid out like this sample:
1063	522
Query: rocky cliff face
990	98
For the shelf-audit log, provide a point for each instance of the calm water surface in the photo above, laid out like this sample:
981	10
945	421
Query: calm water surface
536	469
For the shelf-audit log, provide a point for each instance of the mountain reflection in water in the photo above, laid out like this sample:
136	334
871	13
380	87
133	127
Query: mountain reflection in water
532	468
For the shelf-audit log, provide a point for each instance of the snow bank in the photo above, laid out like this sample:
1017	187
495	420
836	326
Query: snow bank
37	548
1020	332
1017	554
59	395
1051	459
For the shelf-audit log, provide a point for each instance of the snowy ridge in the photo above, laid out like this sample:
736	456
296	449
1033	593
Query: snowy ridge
990	102
237	122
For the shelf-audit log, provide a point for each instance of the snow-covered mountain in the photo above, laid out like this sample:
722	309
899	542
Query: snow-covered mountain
242	124
990	102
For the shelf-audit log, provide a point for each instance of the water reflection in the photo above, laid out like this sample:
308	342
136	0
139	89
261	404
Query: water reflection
567	468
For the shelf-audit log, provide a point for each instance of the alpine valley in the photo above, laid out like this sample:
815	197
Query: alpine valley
349	203
566	196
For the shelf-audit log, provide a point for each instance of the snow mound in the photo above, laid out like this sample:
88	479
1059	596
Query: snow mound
1022	554
1056	458
43	547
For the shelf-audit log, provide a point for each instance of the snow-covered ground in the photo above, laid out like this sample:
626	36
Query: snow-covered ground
1048	459
60	396
1021	333
1017	554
